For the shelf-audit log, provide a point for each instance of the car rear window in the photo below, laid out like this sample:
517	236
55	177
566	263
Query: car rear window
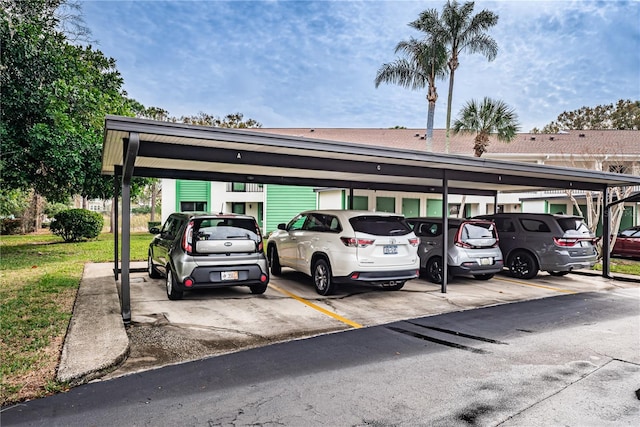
573	224
380	225
226	228
478	230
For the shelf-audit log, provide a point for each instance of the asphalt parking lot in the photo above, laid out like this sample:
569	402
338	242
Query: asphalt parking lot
219	321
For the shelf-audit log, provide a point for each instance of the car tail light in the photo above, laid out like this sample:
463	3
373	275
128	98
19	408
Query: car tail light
414	241
353	242
263	278
457	240
260	245
187	239
565	242
354	276
188	282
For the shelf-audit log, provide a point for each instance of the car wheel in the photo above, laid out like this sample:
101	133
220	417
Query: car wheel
434	269
172	293
274	261
151	269
322	277
558	273
395	287
258	289
522	265
483	276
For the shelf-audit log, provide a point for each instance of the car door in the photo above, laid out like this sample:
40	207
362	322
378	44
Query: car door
507	233
164	242
430	235
288	244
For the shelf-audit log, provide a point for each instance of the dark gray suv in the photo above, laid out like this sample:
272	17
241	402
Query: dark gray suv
200	250
531	242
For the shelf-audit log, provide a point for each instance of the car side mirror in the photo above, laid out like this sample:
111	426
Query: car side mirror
282	226
154	230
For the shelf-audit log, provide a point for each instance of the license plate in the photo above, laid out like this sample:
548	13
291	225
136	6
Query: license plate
390	249
229	275
486	261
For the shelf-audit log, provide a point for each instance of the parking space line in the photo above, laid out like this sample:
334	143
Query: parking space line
517	282
316	307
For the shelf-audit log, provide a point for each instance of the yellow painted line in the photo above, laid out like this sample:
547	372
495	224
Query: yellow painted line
517	282
316	307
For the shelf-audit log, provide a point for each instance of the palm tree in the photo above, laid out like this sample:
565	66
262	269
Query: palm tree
460	31
424	62
486	118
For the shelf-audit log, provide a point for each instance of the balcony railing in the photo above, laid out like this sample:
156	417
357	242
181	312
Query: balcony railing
241	187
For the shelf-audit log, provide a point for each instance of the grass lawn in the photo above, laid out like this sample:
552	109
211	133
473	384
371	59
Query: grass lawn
39	278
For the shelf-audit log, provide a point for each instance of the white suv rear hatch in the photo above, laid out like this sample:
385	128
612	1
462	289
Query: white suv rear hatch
383	241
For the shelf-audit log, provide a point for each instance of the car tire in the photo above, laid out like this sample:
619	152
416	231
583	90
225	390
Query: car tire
172	293
396	287
434	269
558	273
322	279
274	261
483	276
151	269
258	289
522	265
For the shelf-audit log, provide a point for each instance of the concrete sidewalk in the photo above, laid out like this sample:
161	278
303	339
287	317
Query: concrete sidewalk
97	341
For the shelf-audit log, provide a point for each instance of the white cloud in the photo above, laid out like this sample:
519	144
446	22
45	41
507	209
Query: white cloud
290	64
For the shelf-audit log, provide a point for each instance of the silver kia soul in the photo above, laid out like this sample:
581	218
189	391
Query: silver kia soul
199	250
554	243
473	247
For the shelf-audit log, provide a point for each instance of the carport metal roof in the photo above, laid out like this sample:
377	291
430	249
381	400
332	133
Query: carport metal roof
148	148
173	150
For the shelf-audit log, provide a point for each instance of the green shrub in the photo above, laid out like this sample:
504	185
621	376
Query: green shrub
74	225
10	226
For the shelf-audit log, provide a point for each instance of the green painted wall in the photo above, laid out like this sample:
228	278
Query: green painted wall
193	191
286	201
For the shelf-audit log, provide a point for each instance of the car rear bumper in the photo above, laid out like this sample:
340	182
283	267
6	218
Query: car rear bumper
564	262
475	268
212	277
380	277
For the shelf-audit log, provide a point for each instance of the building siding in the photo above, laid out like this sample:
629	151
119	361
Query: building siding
284	202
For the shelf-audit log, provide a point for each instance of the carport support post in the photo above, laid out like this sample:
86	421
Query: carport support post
115	230
445	230
129	162
606	231
351	198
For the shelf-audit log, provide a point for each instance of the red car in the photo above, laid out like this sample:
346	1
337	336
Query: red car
628	243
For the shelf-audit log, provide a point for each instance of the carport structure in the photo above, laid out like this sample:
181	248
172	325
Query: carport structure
154	149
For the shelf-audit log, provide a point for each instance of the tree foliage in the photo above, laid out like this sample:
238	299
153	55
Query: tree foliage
421	64
623	115
55	95
486	118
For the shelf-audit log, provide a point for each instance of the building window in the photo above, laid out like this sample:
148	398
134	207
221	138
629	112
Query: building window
238	208
193	206
239	186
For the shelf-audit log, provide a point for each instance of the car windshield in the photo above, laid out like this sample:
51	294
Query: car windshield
573	225
226	228
380	225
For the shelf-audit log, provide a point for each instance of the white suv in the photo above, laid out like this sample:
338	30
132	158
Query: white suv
338	246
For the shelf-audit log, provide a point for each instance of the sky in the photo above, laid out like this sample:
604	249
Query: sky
313	63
